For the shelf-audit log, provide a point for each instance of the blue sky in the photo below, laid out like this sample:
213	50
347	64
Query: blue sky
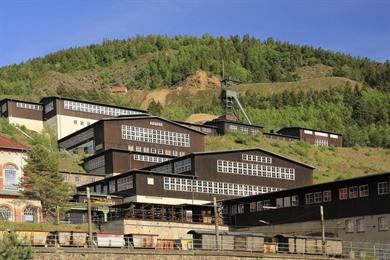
31	28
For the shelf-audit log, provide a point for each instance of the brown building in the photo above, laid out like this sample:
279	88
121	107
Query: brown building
67	115
198	177
225	126
22	113
281	137
80	178
116	161
355	210
147	139
313	136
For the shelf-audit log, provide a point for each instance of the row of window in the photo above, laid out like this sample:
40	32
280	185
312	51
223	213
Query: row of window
120	184
321	142
77	139
309	132
95	163
97	109
86	123
256	158
212	187
255	170
148	158
150	135
182	166
243	129
154	150
167	168
29	214
361	225
28	106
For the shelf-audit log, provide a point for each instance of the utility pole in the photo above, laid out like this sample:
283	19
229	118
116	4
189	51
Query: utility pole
216	217
89	217
322	229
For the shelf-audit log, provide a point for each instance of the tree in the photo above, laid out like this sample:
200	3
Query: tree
13	248
42	179
155	108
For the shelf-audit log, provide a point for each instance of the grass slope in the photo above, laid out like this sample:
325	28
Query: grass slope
330	163
305	85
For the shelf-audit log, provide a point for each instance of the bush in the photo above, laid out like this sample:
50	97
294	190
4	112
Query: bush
14	248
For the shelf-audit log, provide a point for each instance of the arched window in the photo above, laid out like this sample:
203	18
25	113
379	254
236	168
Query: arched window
29	214
5	213
10	177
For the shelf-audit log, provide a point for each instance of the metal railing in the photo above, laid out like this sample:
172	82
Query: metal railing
233	244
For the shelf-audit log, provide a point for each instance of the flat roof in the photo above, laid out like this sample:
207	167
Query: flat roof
91	102
311	129
194	124
22	101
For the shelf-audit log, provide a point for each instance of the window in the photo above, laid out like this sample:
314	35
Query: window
182	166
97	109
343	193
234	209
150	181
155	136
138	148
363	190
233	128
255	169
5	213
360	225
211	187
287	202
259	205
279	202
294	200
252	206
353	192
349	226
10	177
81	122
309	198
321	142
112	186
77	179
29	214
125	183
383	188
240	208
317	197
49	107
382	224
327	196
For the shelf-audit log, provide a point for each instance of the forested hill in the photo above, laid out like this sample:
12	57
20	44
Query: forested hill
357	105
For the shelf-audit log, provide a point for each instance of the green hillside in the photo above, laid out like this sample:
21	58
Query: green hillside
283	84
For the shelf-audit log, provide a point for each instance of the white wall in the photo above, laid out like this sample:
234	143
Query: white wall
65	125
31	124
15	158
163	200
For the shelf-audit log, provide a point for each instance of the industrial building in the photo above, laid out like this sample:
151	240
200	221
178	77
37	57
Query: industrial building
313	136
198	177
354	210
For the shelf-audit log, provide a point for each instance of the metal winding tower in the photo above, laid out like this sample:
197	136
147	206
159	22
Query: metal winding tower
229	100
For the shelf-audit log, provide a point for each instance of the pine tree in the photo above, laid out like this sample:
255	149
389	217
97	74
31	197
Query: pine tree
42	179
13	248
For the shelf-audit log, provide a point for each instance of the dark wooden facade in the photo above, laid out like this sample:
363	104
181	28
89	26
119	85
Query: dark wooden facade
203	180
313	136
281	137
362	196
55	105
107	134
21	109
114	161
228	126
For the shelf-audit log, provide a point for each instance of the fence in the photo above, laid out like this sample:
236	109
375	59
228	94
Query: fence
257	246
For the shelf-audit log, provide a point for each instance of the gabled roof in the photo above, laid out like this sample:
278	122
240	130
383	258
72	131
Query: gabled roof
311	129
7	143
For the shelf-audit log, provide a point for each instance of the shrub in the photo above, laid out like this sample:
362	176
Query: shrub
14	248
